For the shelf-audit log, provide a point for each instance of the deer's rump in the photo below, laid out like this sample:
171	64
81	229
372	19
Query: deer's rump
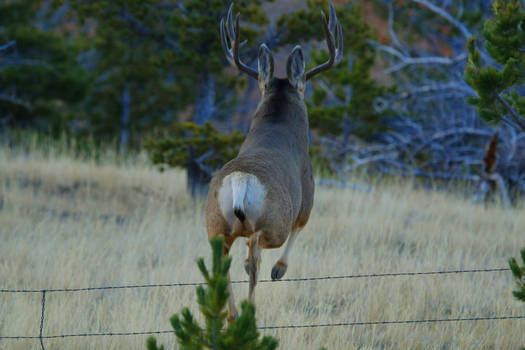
252	194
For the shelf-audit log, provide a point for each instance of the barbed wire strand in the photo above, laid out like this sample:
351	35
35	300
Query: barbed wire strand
318	325
41	337
298	279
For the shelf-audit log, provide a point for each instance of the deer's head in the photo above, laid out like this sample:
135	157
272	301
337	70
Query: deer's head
295	65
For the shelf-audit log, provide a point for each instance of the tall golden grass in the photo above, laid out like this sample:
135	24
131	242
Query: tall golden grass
66	222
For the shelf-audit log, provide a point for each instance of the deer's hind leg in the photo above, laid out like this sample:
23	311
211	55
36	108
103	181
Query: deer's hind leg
252	263
232	310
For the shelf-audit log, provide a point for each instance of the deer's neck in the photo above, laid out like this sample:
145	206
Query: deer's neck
281	117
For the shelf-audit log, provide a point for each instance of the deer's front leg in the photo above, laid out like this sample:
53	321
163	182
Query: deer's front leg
281	265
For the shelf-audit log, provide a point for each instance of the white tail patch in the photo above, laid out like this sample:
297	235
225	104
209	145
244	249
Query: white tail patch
242	193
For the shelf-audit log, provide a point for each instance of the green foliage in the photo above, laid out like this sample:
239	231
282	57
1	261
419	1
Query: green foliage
240	334
188	141
40	78
497	91
519	274
163	54
346	91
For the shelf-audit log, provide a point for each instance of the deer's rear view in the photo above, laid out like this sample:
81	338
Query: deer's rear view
266	193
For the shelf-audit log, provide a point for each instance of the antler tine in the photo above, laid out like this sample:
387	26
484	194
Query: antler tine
229	24
332	19
233	33
331	27
339	43
224	42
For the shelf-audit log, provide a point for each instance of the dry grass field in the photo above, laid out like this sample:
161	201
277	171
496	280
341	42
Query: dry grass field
79	223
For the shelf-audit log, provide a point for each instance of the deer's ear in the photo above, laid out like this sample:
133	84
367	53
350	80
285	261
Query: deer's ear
265	66
295	67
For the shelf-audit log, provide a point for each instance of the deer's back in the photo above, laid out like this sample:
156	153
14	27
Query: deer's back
286	178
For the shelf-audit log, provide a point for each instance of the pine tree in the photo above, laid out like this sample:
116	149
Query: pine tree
158	60
519	274
199	149
138	86
242	334
500	93
41	79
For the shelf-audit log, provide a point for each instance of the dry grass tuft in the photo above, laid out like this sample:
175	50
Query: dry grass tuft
72	223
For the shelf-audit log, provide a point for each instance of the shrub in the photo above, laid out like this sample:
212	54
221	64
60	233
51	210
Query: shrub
240	334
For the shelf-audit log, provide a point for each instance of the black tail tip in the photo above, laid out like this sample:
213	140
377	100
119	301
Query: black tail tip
239	214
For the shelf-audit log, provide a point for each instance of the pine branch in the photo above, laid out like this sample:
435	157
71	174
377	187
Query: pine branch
516	118
144	30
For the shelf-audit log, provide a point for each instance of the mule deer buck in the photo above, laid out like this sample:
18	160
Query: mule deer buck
266	193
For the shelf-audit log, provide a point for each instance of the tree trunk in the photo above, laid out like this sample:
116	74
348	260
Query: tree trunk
197	179
197	176
124	118
205	104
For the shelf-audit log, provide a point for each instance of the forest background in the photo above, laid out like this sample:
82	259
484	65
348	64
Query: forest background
423	86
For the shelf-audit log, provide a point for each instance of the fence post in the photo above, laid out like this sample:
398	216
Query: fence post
42	319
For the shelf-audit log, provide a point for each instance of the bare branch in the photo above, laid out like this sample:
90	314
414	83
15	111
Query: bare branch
438	10
407	60
462	28
11	98
516	118
7	45
393	35
502	188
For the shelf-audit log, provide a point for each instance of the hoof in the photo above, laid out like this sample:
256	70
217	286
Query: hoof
232	318
278	270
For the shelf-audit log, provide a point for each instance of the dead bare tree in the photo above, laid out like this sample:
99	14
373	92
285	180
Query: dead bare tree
433	132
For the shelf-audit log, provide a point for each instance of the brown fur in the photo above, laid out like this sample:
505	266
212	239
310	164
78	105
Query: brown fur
276	152
272	174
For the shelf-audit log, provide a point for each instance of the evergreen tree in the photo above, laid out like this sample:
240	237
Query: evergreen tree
156	60
500	91
242	334
199	149
519	274
138	84
41	79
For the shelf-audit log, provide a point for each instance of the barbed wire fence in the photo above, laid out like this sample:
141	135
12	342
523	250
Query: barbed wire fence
41	337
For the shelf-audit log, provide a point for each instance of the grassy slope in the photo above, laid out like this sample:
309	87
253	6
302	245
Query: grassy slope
70	223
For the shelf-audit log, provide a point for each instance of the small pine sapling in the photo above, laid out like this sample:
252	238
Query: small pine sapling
240	334
519	275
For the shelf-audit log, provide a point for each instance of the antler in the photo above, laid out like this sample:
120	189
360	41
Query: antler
233	33
336	54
